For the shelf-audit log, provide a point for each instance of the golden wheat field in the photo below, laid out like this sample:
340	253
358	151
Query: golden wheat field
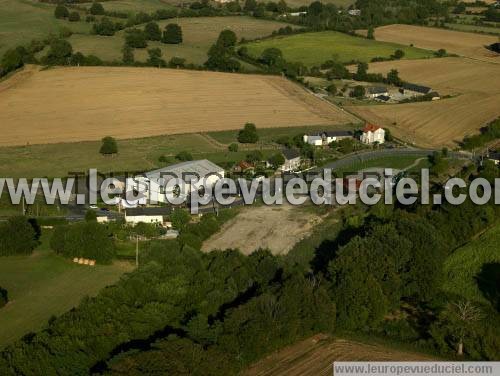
87	103
475	90
314	356
461	43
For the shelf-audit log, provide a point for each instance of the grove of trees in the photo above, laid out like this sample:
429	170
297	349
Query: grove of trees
172	34
18	236
87	239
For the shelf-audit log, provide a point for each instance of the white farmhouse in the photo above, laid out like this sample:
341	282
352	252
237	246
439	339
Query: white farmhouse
377	91
188	177
326	138
372	134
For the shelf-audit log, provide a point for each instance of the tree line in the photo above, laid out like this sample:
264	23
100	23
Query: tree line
230	309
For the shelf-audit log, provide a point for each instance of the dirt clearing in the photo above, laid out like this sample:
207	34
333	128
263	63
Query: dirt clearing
315	356
88	103
276	228
464	44
474	84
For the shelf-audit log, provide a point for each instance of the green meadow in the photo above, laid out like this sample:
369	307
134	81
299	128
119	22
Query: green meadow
141	154
317	47
44	284
199	33
24	20
464	266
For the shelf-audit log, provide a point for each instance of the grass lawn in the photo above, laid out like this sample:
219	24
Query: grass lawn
134	6
44	284
338	3
272	134
199	33
24	20
56	160
316	48
397	162
474	28
462	267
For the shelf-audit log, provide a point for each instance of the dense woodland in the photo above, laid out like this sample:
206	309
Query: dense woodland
187	312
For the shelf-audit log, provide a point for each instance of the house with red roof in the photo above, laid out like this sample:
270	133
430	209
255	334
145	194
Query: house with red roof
373	134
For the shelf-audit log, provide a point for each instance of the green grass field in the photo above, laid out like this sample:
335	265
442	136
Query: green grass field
338	3
44	284
24	20
56	160
316	48
133	6
272	134
464	264
396	162
199	33
474	28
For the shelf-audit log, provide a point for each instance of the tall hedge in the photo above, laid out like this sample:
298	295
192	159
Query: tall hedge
86	239
17	237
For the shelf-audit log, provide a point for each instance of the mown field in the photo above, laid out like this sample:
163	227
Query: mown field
314	356
134	6
474	28
464	44
24	20
464	266
338	3
474	85
43	285
199	33
141	102
141	154
316	48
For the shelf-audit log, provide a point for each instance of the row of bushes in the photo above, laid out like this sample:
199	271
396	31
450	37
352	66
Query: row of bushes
488	133
89	240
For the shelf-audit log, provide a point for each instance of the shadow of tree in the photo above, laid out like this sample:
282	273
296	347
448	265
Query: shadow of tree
488	281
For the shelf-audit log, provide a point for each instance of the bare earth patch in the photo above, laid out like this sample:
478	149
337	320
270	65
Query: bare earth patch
276	228
471	45
475	85
315	356
88	103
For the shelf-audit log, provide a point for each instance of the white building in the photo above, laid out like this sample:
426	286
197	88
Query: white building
146	215
292	160
326	138
377	91
178	180
372	134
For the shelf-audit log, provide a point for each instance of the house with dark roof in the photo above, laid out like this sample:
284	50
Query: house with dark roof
413	89
494	157
376	91
292	160
383	98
